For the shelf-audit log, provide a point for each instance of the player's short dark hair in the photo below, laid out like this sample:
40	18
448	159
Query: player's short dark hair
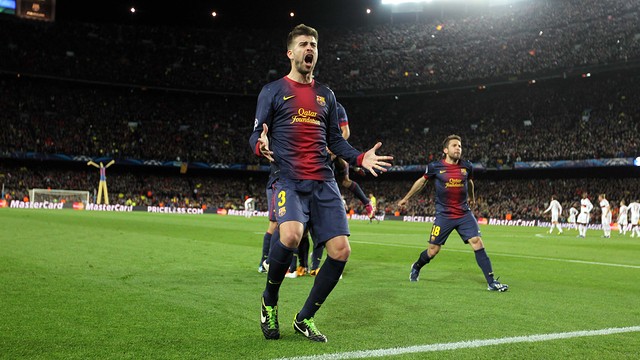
301	29
446	141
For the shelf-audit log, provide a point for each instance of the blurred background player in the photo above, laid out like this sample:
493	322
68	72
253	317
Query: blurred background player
269	238
342	168
453	180
605	210
573	212
623	220
634	215
585	213
556	210
374	205
249	206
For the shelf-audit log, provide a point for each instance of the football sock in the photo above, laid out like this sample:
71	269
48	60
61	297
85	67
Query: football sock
422	260
303	251
485	264
316	256
275	238
357	191
266	244
325	281
279	261
294	261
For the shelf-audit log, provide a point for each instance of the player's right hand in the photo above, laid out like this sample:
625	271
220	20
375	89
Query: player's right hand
264	143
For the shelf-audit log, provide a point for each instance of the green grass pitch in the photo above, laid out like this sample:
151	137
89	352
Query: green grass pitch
89	285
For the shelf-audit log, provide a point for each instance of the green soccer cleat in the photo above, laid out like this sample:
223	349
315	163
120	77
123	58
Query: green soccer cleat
269	322
308	328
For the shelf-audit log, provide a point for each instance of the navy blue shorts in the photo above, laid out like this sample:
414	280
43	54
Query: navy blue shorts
317	203
466	226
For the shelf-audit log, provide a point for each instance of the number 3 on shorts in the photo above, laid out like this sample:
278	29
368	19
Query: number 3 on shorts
282	196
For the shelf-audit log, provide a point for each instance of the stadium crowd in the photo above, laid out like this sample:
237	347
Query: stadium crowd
528	39
572	119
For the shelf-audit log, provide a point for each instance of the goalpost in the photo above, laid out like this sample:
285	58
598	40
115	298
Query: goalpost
55	195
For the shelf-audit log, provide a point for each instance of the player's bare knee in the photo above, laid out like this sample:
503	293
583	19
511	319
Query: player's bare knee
433	250
476	243
338	248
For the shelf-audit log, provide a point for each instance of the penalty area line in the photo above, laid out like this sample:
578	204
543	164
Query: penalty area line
466	344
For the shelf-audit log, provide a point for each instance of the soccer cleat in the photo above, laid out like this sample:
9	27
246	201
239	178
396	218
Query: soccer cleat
314	272
308	328
371	211
301	271
265	266
291	275
269	322
415	274
261	269
497	286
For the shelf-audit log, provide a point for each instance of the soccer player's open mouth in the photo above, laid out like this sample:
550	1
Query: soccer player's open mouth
308	59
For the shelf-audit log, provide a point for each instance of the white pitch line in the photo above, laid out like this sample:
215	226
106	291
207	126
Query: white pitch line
466	344
509	255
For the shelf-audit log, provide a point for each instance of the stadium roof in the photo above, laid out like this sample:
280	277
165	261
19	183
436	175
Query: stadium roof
235	13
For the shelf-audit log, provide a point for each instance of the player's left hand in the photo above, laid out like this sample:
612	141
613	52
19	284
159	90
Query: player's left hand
373	162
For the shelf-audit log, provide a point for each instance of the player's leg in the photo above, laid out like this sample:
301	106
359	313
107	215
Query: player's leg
303	254
316	258
439	233
266	245
470	233
331	228
291	226
342	174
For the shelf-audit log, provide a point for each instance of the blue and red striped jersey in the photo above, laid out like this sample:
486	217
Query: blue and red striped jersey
451	182
303	122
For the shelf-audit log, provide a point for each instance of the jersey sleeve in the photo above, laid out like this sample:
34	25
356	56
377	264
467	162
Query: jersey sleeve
264	115
429	172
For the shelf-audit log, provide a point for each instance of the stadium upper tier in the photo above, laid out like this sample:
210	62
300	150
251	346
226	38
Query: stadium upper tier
572	119
530	40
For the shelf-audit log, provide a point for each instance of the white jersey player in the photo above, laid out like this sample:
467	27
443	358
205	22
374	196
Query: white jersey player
605	210
634	215
573	212
556	210
623	222
249	206
585	213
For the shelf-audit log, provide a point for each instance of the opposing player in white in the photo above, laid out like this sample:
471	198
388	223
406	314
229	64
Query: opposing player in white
573	212
623	222
583	219
556	210
249	206
634	211
605	215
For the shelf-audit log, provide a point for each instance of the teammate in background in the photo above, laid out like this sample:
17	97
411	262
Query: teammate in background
268	239
374	204
573	212
342	168
605	215
296	121
453	181
585	213
634	211
623	220
249	206
556	210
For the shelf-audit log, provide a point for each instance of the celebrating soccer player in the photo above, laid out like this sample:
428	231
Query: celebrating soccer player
296	121
453	179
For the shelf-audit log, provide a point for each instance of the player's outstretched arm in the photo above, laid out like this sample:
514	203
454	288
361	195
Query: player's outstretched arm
373	162
416	187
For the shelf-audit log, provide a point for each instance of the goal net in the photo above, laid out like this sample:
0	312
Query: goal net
56	196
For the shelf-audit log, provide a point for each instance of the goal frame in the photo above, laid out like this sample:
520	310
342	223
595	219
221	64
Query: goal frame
83	194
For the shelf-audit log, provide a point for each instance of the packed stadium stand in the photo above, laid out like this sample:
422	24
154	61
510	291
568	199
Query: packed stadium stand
543	81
